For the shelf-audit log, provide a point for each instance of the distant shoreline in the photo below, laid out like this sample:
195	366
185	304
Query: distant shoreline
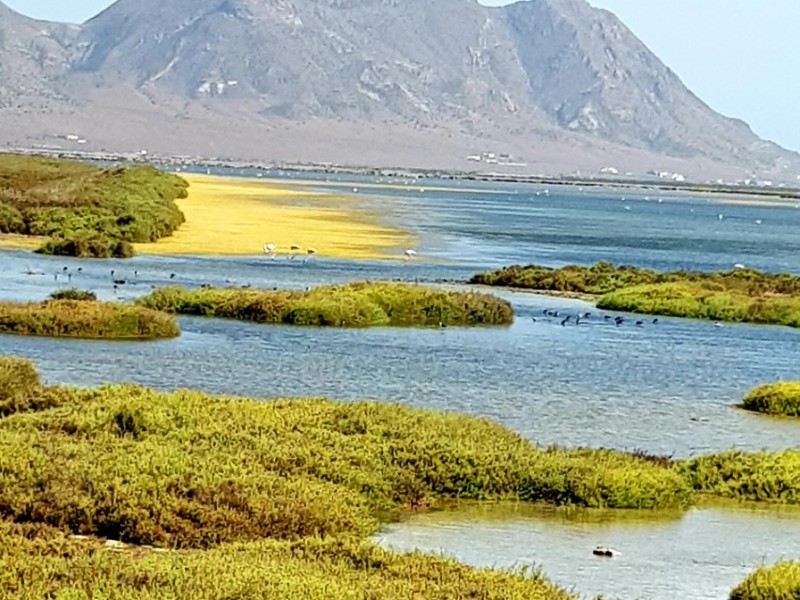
775	193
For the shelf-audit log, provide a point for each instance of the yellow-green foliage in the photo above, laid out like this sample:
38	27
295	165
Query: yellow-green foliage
779	582
87	210
86	319
781	398
705	301
186	469
351	305
760	476
604	277
20	389
38	563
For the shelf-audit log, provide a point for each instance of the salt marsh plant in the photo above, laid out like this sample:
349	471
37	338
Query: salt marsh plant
84	209
86	319
780	398
778	582
350	305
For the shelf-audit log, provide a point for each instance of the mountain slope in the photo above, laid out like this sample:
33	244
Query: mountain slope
555	82
34	55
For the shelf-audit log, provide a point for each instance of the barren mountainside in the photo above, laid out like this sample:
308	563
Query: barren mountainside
452	75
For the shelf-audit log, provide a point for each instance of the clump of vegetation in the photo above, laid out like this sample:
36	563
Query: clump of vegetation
41	562
781	398
74	294
759	476
189	470
351	305
742	295
603	277
778	582
82	319
21	390
87	210
705	301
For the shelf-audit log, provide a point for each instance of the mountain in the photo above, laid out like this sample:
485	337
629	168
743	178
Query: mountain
555	83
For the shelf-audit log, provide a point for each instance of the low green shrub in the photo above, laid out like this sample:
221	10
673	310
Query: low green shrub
73	294
81	319
40	562
603	278
759	476
18	378
190	470
778	582
87	210
351	305
702	301
781	398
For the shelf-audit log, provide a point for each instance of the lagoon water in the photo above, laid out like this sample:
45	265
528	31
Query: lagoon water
667	387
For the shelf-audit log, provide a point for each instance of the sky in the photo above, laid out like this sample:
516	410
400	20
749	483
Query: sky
742	57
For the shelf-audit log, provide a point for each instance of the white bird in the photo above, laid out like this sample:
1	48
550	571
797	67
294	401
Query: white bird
269	248
720	217
410	253
739	266
758	221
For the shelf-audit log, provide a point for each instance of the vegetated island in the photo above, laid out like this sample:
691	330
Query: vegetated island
363	304
79	209
778	582
77	314
277	499
738	295
781	398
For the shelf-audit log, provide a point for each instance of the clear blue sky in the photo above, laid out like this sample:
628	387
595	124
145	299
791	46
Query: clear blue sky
740	56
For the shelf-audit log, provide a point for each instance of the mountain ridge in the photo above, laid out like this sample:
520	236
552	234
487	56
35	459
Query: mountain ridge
454	76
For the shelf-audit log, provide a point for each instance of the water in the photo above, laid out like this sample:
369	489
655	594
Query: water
700	555
665	388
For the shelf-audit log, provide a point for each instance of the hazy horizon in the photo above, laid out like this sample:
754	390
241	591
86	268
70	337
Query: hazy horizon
738	56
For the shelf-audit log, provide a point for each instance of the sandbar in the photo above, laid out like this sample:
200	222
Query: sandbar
234	215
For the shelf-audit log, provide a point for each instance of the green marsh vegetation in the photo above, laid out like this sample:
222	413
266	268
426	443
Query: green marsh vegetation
86	210
739	295
226	497
75	314
781	399
777	582
350	305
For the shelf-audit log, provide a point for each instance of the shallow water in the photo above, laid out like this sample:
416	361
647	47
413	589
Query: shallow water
596	384
700	555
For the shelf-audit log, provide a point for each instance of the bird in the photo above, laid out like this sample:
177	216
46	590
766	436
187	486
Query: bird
606	552
269	248
655	321
565	321
293	249
639	323
311	251
172	275
410	253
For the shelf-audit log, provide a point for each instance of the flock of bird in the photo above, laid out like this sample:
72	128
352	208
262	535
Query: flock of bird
271	250
567	319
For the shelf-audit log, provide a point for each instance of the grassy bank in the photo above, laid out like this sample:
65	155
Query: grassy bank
781	398
350	305
235	215
41	563
85	210
85	319
739	295
778	582
747	476
276	499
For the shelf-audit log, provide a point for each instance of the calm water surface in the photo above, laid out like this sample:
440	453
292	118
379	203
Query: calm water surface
667	387
701	555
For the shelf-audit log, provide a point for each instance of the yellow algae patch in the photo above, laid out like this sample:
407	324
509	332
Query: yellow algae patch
231	215
23	242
